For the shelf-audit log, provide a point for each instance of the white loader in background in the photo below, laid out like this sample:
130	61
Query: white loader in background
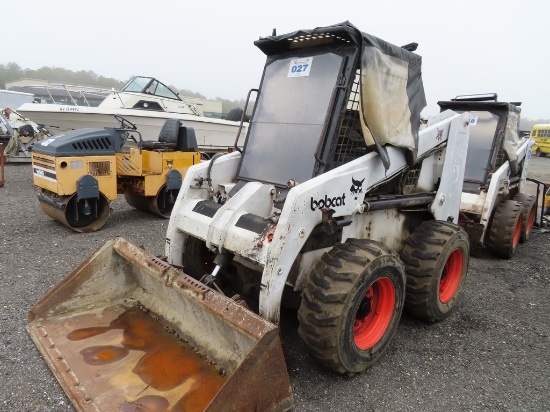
495	209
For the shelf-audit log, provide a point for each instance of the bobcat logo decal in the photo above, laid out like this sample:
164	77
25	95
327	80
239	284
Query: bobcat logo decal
356	187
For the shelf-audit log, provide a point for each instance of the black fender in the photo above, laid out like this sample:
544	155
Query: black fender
174	180
87	187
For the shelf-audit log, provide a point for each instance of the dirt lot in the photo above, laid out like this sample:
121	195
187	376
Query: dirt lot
491	354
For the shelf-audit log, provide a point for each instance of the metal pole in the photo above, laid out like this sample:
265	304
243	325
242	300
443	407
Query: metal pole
2	162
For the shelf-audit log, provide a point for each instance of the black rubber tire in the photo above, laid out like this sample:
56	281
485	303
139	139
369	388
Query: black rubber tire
197	259
504	233
539	153
436	258
26	131
331	300
528	215
235	115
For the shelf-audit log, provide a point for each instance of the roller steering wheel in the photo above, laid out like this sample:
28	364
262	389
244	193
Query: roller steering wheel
124	123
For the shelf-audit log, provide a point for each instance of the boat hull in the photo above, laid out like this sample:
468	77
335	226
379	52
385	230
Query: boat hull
213	135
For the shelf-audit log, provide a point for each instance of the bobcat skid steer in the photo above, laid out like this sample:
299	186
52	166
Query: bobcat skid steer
336	205
495	210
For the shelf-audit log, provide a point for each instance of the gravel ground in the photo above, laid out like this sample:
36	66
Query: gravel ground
491	354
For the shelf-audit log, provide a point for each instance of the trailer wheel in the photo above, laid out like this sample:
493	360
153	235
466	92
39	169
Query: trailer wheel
528	215
505	230
351	305
436	258
197	259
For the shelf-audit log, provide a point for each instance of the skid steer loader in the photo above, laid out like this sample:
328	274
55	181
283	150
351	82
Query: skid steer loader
336	205
495	210
79	172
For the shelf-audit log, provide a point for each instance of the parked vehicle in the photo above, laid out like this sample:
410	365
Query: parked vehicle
145	102
18	135
495	210
540	133
80	172
335	205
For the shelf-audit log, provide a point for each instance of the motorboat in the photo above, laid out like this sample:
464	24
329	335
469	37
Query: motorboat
147	103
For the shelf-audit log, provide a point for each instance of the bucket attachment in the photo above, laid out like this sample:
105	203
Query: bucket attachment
128	332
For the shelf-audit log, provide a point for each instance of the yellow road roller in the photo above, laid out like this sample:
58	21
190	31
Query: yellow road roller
79	172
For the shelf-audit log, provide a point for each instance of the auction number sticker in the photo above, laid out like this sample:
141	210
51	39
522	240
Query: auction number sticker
300	67
473	121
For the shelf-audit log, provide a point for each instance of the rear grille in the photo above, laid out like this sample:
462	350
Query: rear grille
100	143
501	158
99	168
410	179
44	162
350	143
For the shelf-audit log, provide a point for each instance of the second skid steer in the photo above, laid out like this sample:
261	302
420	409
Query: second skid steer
337	206
495	210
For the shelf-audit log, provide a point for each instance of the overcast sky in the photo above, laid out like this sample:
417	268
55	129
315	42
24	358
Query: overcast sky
207	46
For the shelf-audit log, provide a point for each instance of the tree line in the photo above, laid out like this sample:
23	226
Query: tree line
10	72
527	124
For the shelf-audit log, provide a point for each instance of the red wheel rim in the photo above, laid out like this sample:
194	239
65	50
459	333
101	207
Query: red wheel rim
531	218
374	313
450	278
517	232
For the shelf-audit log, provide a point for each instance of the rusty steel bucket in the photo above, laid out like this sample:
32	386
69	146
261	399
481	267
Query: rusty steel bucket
127	332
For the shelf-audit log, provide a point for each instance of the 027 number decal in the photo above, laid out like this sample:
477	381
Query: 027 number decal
300	67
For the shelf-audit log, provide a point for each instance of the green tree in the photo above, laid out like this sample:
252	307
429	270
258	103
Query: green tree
12	71
527	124
188	93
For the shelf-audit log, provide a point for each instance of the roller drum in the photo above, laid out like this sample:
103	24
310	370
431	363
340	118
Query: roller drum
83	217
159	205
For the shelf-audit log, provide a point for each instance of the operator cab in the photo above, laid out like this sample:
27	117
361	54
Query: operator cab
487	132
296	113
307	117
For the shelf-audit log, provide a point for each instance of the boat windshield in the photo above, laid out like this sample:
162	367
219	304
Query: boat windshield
149	85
